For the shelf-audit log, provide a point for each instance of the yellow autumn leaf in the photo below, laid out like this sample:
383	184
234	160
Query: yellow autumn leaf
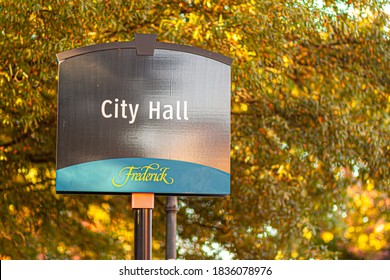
327	236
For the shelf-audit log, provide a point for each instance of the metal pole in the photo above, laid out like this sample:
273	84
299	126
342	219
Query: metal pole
142	234
171	213
142	204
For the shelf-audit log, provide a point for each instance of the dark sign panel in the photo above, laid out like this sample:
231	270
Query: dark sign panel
143	116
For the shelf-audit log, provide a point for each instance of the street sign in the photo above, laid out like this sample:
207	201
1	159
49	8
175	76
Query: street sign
143	117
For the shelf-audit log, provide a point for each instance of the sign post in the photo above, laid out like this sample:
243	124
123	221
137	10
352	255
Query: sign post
144	117
142	204
171	212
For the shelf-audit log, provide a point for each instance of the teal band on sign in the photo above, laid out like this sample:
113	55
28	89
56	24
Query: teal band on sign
135	175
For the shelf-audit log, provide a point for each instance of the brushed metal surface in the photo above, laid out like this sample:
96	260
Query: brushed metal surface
87	80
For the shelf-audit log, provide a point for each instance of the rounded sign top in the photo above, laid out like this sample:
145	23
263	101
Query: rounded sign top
142	42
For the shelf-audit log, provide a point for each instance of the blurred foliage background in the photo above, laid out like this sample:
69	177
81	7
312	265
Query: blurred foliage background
310	142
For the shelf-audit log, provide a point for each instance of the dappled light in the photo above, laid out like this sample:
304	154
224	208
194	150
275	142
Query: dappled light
310	130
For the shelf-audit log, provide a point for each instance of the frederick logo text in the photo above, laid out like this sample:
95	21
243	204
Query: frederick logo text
147	173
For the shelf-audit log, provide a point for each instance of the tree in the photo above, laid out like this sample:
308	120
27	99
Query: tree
310	129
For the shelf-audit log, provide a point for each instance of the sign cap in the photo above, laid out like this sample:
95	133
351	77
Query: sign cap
145	44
